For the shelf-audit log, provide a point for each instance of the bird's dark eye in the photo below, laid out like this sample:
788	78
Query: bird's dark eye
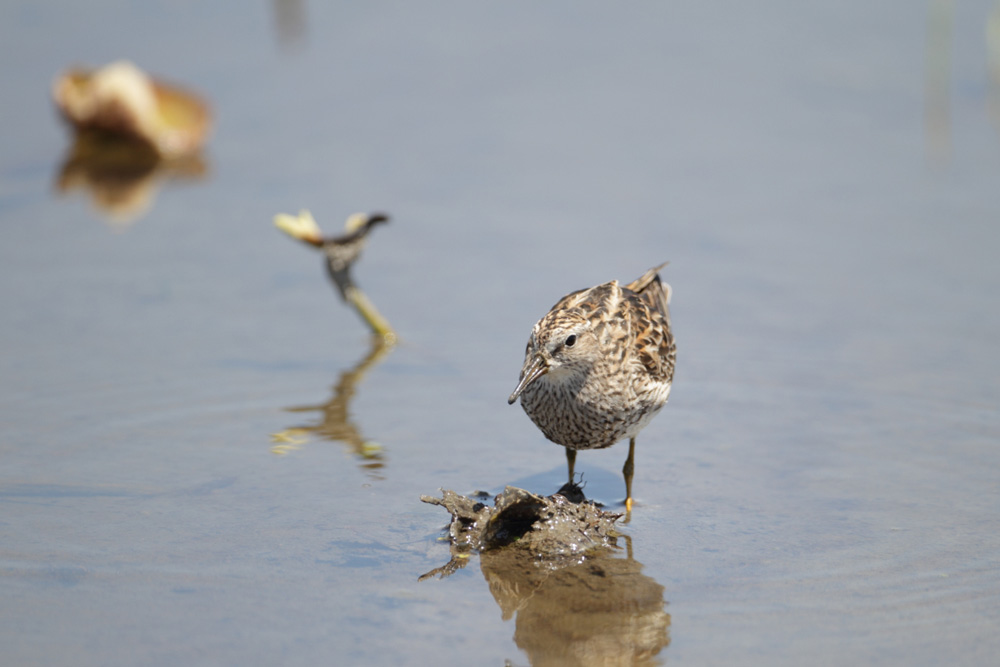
571	340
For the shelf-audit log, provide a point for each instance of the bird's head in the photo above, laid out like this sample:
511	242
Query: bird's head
561	347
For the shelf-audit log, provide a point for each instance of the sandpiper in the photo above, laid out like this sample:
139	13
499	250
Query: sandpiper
599	366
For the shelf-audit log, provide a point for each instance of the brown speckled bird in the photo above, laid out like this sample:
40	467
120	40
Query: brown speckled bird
599	366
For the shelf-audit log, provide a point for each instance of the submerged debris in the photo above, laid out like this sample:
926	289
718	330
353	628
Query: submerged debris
555	529
341	253
120	99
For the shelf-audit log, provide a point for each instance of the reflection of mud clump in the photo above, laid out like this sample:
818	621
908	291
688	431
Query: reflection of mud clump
602	611
553	529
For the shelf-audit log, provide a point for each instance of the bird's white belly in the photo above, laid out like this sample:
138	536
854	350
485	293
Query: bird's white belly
566	418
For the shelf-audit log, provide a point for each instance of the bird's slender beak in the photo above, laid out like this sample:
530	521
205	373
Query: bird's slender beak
531	372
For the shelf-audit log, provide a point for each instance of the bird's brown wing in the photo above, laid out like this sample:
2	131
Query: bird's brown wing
653	291
650	314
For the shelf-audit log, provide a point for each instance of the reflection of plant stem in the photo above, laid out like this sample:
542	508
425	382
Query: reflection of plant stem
938	63
993	63
335	422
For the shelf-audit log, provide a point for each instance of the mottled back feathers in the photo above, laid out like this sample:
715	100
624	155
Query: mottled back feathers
599	365
637	314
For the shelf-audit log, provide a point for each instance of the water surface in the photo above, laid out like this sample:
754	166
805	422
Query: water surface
821	488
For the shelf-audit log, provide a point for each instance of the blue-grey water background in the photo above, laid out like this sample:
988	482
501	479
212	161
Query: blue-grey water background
824	178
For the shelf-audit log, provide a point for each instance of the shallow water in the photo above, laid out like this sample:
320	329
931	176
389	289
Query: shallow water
822	486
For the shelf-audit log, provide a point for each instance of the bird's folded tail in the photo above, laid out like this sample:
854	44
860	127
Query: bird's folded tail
659	297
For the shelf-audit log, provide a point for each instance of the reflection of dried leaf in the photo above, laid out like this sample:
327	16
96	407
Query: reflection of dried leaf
122	99
288	440
121	174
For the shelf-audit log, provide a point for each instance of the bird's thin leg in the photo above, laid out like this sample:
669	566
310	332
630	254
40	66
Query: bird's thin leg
570	462
627	470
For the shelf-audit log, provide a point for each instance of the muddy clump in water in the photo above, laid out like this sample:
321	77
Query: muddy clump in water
552	563
556	530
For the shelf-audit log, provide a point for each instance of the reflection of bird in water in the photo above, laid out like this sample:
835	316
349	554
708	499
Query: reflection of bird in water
341	253
599	366
121	174
335	418
600	611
